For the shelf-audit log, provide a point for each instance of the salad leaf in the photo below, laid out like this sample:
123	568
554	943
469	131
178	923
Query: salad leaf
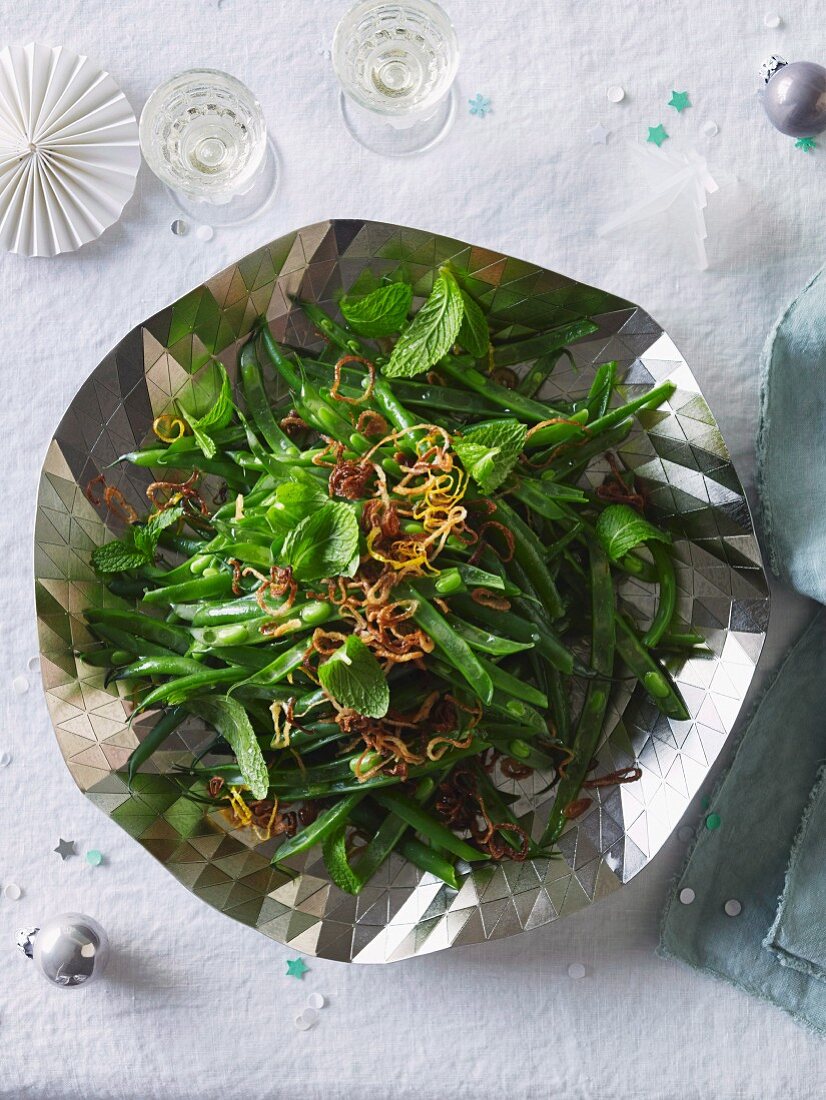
138	545
431	333
294	501
489	451
474	335
230	720
620	528
215	418
323	544
354	678
380	313
334	850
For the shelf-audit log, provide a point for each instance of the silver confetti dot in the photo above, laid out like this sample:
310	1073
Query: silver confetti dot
204	232
687	896
733	908
306	1019
709	129
5	759
20	685
33	664
772	20
12	891
576	971
685	834
179	227
316	1000
616	93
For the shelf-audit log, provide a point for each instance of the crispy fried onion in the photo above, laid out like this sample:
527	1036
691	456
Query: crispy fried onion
462	807
279	583
282	723
236	575
331	451
292	423
514	769
616	490
630	774
500	528
485	598
113	498
262	816
371	424
165	494
368	389
349	479
576	808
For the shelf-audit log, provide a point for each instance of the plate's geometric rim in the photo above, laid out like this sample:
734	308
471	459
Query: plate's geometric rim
681	459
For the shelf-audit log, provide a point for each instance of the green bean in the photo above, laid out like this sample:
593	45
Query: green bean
387	836
282	364
281	667
420	820
589	728
529	553
652	675
485	641
523	407
186	687
249	631
349	343
455	649
520	629
652	399
521	351
314	833
171	637
667	598
541	371
160	666
512	685
571	461
599	395
230	611
544	497
199	588
187	460
258	403
163	728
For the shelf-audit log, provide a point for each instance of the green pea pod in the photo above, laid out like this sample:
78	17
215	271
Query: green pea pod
252	384
523	407
485	641
522	351
277	358
542	369
667	598
420	820
652	675
171	637
513	686
326	823
199	588
187	687
159	666
163	728
530	554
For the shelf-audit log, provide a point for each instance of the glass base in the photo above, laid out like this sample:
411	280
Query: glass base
240	209
371	131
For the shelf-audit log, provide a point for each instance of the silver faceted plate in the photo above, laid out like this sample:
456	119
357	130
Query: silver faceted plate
681	463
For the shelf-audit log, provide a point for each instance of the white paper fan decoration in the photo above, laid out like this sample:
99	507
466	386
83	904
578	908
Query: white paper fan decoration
69	150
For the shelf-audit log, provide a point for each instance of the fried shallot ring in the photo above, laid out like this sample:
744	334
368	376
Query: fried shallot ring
630	774
485	598
368	390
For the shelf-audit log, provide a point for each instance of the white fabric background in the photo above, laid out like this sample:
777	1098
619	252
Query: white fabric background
195	1005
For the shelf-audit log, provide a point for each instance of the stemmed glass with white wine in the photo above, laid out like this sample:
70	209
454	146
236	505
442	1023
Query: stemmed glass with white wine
396	63
203	134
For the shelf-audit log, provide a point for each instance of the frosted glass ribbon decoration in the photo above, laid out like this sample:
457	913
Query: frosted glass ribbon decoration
69	152
677	185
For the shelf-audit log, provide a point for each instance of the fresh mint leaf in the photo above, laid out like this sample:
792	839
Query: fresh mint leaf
432	332
216	417
293	502
159	521
354	678
230	720
116	556
323	544
620	528
489	451
380	313
474	334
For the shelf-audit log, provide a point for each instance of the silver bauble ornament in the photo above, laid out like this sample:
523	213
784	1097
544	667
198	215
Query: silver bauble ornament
795	96
70	949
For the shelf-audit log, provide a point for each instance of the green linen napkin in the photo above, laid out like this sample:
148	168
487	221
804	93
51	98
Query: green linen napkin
750	904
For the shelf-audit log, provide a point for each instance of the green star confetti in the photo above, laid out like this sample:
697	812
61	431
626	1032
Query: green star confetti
806	144
679	101
657	135
713	821
296	968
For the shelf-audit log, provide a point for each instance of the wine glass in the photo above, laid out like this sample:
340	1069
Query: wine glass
203	134
396	63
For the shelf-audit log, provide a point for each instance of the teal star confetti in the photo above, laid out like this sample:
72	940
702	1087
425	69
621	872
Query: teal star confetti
296	968
480	105
806	144
657	135
679	101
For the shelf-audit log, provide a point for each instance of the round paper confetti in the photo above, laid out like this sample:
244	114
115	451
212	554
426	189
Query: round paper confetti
94	858
33	664
20	685
179	227
316	1000
687	895
709	129
306	1019
616	93
576	970
204	232
733	908
772	20
713	821
685	833
5	759
12	891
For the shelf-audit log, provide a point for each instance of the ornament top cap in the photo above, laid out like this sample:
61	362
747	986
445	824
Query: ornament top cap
770	67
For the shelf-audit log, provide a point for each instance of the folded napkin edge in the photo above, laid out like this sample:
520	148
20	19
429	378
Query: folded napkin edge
783	956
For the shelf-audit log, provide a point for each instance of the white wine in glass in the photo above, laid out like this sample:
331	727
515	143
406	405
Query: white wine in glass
396	63
203	134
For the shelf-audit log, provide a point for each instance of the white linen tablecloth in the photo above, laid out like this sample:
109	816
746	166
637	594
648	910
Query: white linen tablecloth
195	1005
